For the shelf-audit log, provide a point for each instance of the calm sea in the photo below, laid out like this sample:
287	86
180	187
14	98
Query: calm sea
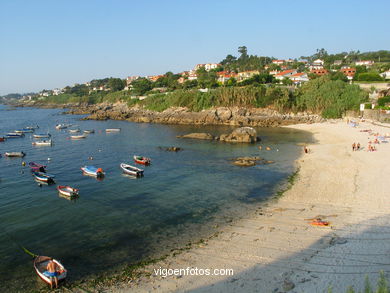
119	220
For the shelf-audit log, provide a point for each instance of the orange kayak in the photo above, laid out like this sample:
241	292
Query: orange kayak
319	223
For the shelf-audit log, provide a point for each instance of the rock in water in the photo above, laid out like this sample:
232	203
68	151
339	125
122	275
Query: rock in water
197	135
242	134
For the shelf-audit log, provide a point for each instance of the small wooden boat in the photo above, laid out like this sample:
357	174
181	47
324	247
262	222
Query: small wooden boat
42	143
67	191
35	167
61	126
89	131
40	267
32	127
40	176
74	130
78	136
14	135
15	154
113	129
131	170
2	139
42	135
93	171
142	160
24	130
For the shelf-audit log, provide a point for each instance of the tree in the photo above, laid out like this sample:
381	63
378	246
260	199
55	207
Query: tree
244	52
370	76
338	76
141	86
116	84
228	60
206	79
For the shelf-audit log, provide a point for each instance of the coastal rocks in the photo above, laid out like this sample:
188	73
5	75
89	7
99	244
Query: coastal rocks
171	149
242	134
250	161
197	135
223	114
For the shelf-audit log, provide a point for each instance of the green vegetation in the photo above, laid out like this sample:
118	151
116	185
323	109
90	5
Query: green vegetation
382	286
369	76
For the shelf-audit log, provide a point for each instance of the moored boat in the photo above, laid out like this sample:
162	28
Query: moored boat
40	176
142	160
2	139
74	130
35	167
24	130
61	126
93	171
32	127
14	135
42	135
42	143
78	136
89	131
14	154
40	267
113	129
67	190
131	170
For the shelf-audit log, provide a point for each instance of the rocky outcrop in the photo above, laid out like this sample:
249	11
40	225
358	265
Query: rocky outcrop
197	135
242	134
233	116
171	149
250	161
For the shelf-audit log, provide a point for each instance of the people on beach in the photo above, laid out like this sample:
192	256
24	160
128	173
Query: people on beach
353	147
305	149
52	273
358	146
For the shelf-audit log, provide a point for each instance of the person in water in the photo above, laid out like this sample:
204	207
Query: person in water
52	273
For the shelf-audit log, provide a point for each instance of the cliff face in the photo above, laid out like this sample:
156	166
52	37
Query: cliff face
234	116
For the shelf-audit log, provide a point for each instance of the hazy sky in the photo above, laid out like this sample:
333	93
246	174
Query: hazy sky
54	43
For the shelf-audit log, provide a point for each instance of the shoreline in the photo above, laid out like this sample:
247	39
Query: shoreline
274	249
229	116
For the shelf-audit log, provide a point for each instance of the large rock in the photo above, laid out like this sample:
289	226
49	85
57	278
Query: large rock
242	134
223	113
197	135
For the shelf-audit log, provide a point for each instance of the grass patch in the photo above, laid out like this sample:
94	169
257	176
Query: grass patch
289	183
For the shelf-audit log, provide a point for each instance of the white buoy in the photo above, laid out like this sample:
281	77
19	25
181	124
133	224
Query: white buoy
48	159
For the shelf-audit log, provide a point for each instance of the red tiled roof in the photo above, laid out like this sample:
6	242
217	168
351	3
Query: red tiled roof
285	72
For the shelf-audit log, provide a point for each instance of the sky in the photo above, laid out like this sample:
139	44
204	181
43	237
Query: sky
46	44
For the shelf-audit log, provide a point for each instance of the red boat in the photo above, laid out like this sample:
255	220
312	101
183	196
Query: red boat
142	160
2	139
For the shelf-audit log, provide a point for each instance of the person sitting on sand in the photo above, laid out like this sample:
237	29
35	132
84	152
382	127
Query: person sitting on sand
52	268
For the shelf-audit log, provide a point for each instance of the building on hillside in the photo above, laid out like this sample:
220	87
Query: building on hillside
181	79
192	76
224	76
246	74
386	74
154	78
285	74
349	72
207	66
278	62
130	79
366	63
338	62
299	77
57	92
319	72
290	60
317	64
274	72
184	73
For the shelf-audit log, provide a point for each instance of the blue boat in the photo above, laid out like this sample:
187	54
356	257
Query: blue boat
40	176
93	171
14	135
24	130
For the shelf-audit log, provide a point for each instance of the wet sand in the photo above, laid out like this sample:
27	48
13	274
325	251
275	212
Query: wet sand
276	249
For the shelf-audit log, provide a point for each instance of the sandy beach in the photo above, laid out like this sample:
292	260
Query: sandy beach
276	249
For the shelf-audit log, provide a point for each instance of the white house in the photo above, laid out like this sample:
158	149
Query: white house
278	62
299	77
386	74
317	64
365	63
285	74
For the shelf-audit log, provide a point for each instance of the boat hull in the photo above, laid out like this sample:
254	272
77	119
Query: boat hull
67	191
40	264
142	160
131	170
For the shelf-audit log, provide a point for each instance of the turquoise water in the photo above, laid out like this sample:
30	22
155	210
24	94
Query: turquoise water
120	219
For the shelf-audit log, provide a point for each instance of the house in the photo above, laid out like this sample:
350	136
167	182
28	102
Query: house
386	74
319	72
130	79
57	92
192	76
349	72
246	74
366	63
274	72
278	62
317	64
224	76
285	74
207	66
338	62
181	80
198	66
299	77
154	78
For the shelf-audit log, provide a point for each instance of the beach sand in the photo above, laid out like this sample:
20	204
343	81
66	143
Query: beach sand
275	249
